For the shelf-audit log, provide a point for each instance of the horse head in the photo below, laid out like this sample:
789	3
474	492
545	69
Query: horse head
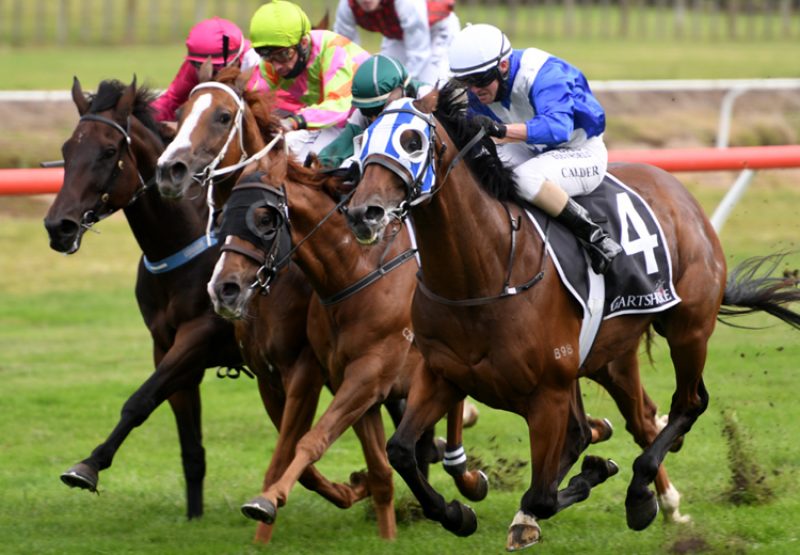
255	224
216	130
114	139
399	159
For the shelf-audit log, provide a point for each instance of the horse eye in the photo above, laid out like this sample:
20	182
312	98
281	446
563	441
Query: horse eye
412	141
109	153
225	118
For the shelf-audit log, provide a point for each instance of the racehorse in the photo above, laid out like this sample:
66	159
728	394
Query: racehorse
369	358
493	319
109	165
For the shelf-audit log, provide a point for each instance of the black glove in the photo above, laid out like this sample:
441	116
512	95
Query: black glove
492	128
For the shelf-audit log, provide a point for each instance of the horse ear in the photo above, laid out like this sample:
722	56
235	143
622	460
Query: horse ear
243	78
427	104
206	71
78	97
125	104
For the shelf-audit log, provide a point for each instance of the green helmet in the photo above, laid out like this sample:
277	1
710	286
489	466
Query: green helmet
378	76
278	24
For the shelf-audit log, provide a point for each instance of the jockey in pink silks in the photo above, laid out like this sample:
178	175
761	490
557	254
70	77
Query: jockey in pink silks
207	40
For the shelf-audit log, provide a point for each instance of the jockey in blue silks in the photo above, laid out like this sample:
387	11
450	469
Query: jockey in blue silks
547	123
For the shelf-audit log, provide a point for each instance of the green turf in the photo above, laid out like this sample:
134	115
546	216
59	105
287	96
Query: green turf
73	348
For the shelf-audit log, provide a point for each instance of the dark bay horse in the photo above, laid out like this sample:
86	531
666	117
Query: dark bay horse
109	165
368	360
513	346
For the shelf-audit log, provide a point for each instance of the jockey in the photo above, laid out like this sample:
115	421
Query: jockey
378	81
315	68
207	40
548	124
415	32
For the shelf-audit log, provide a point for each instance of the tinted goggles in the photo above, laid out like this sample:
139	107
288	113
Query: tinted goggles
275	55
479	80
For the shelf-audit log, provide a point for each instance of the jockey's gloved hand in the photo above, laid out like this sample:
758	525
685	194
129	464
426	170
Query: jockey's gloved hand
493	128
293	123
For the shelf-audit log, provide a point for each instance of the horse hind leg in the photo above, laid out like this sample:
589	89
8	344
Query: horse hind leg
186	407
621	379
688	350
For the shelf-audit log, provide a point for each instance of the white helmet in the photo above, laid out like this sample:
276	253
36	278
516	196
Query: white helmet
477	49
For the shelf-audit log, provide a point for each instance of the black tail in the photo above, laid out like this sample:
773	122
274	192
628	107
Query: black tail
751	287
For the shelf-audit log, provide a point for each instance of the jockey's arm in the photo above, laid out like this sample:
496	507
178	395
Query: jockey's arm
515	132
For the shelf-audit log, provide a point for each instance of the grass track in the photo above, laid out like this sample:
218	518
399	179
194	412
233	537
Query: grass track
73	348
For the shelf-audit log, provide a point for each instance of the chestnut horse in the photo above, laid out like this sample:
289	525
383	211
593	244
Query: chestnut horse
364	368
109	165
506	344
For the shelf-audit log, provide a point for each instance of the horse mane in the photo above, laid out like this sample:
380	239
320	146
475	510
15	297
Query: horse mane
495	178
109	93
269	124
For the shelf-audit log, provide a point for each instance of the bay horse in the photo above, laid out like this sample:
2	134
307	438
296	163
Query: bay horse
512	346
110	164
364	368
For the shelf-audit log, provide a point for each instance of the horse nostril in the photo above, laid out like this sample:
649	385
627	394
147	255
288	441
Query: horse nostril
177	172
374	214
228	292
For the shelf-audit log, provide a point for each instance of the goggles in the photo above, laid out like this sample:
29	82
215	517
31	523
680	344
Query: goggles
275	55
479	80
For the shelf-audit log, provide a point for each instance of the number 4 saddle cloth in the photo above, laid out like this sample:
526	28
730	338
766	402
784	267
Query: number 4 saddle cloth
640	278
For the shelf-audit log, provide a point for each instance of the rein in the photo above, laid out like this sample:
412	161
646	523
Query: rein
207	176
415	197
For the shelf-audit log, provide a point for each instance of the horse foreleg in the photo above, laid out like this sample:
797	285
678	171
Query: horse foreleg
185	404
353	398
429	398
369	429
559	432
474	485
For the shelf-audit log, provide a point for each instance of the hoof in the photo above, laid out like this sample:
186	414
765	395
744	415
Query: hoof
640	513
470	414
460	519
260	509
481	488
81	476
523	532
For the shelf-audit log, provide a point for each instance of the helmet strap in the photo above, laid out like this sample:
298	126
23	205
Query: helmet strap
302	60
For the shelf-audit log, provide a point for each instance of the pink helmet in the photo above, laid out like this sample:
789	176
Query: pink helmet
206	39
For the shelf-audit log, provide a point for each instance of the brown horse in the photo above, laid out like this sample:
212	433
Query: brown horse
110	164
365	369
514	348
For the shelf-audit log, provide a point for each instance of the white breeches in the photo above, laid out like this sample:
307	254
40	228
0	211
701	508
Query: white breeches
305	141
578	166
442	34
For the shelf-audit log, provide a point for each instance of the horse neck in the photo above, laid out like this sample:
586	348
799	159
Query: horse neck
464	238
161	227
330	258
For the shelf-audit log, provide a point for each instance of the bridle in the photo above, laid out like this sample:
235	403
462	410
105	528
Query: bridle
273	250
415	195
94	215
206	177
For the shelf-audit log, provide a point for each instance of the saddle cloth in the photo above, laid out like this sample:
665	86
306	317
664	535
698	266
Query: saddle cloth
640	278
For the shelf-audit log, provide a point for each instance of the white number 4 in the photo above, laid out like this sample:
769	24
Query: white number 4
645	241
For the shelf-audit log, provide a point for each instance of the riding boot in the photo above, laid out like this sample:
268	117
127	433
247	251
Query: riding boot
601	248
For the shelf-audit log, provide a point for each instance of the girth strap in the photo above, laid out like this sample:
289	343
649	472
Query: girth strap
370	278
